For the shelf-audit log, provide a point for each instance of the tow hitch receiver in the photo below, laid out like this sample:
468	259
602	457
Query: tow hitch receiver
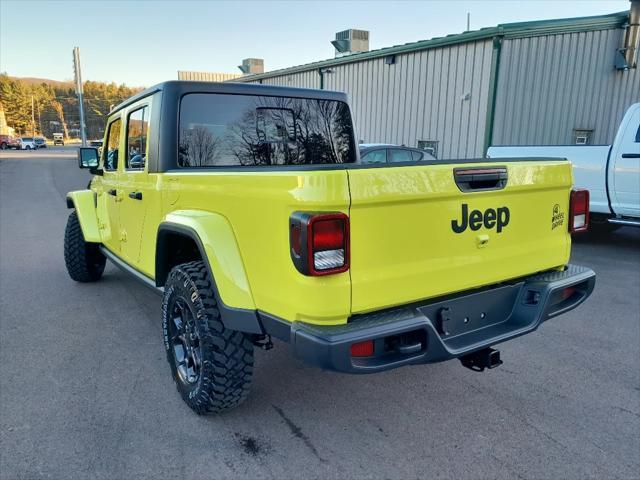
485	358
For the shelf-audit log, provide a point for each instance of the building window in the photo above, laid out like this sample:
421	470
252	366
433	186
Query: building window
582	136
430	146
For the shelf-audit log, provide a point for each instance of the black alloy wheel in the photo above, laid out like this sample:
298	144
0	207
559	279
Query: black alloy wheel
184	342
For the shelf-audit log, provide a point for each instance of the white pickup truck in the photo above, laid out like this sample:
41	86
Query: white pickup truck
611	173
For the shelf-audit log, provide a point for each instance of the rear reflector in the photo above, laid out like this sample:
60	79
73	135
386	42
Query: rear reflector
362	349
579	211
319	242
568	292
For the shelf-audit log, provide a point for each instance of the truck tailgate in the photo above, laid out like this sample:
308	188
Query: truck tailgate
423	231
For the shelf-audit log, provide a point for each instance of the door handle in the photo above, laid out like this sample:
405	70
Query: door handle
113	192
631	155
136	195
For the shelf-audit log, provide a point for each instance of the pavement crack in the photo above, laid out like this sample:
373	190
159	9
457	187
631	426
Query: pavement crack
297	432
622	409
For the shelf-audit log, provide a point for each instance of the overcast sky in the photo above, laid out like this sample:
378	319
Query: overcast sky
145	42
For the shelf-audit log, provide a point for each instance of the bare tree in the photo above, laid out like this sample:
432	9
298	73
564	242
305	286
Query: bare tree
198	147
57	106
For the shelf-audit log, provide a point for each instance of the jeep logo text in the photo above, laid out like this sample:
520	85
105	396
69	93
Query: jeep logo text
475	219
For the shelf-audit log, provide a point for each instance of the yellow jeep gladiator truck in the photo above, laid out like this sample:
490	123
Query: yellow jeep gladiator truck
247	208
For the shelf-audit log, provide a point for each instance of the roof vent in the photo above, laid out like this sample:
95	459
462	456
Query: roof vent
252	65
351	41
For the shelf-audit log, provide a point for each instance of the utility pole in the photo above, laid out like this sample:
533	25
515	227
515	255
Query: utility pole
79	92
33	120
40	129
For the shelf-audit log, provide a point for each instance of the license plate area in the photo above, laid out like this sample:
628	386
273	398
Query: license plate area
468	313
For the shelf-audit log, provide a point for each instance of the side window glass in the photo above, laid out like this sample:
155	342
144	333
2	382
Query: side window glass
417	156
110	154
137	126
399	155
377	156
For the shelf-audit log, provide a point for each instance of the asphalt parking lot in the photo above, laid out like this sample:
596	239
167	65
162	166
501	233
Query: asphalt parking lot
85	390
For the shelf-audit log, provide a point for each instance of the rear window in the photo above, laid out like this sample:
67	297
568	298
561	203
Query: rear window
376	156
218	130
399	155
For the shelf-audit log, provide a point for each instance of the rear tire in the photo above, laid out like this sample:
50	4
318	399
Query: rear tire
84	260
3	146
211	365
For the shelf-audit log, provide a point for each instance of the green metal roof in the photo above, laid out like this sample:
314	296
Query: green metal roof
507	30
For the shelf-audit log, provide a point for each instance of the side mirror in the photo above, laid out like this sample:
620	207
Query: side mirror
88	157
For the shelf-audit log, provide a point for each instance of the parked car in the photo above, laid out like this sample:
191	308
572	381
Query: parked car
40	142
28	143
252	222
382	153
9	141
95	143
58	139
611	173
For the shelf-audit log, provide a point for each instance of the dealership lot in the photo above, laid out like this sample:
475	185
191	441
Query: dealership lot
85	388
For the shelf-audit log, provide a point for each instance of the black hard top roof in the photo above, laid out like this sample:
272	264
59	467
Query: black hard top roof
178	88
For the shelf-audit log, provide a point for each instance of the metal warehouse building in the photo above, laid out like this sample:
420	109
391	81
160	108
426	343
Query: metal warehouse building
532	83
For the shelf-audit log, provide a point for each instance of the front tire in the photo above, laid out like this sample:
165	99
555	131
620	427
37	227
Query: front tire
211	365
84	260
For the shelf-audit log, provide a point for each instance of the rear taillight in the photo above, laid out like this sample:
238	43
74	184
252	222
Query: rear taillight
579	211
319	242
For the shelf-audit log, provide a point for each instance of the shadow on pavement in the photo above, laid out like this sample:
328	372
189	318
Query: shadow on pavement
624	237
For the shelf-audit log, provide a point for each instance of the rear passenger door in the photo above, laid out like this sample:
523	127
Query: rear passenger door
134	182
624	181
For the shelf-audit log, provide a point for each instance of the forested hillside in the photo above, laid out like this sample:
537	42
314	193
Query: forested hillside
55	106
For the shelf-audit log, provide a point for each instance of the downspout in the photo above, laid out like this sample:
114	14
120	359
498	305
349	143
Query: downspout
493	91
321	73
632	34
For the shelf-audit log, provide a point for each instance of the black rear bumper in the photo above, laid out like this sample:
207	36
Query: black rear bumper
440	330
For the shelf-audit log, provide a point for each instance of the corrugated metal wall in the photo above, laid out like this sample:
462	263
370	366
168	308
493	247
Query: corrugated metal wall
421	97
308	79
550	85
207	76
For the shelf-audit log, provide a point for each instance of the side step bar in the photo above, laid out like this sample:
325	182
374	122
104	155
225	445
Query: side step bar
149	282
625	221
